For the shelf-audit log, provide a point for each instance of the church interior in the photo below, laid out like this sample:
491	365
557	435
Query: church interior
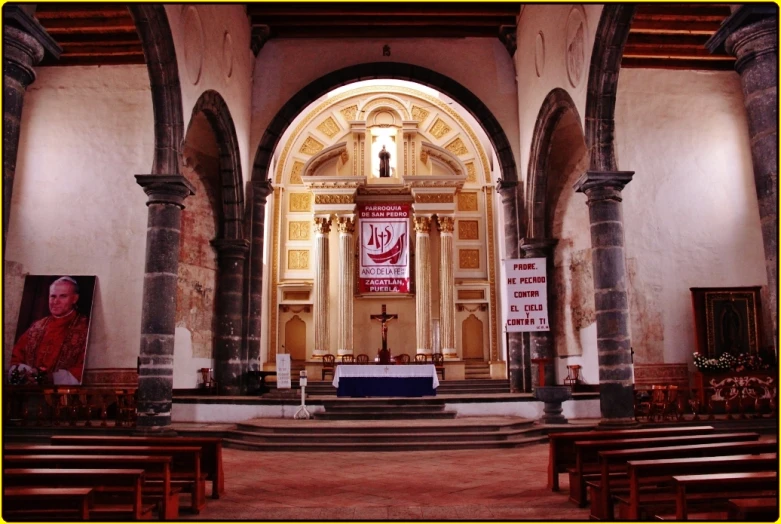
220	218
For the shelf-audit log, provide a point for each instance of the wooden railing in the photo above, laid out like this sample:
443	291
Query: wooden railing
70	405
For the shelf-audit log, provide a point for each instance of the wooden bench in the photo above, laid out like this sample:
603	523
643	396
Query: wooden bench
185	466
650	481
561	446
47	503
99	479
760	508
211	459
587	454
719	486
156	467
613	467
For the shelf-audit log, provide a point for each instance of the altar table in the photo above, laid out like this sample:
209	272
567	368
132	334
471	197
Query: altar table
385	380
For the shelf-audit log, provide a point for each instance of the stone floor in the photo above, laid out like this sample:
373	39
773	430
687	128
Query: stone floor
506	484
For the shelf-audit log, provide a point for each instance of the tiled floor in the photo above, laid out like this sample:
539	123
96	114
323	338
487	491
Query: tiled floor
493	484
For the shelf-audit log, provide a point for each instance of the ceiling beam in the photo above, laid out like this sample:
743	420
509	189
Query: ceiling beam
384	32
666	63
676	39
386	21
383	9
673	27
65	61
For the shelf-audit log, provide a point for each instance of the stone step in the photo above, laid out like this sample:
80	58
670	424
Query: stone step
378	406
424	427
383	415
387	438
382	446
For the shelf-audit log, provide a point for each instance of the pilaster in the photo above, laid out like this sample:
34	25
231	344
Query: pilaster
603	190
322	227
422	225
447	304
261	189
158	311
346	227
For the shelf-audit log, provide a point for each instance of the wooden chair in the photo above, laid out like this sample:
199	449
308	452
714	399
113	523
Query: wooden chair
347	359
402	358
363	358
439	363
329	362
421	359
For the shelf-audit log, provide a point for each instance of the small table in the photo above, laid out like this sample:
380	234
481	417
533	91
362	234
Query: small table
386	380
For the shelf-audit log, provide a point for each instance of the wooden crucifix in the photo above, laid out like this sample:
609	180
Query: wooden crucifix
383	319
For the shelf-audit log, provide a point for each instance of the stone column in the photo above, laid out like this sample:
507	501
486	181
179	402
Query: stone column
158	314
518	361
322	227
616	378
541	343
260	192
447	302
755	45
228	335
423	285
346	225
24	44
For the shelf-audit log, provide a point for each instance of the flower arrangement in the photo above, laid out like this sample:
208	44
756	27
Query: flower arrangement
729	362
23	376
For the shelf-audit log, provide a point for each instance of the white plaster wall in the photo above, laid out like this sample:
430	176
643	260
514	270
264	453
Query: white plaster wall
76	207
551	20
482	65
215	22
690	213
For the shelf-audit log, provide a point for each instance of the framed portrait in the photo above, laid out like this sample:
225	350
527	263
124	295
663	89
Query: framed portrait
52	333
726	320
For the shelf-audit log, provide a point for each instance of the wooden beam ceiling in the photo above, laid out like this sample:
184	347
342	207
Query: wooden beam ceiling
91	34
673	36
381	20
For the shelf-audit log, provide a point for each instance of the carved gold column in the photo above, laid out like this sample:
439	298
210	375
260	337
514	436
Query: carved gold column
423	283
346	225
446	287
322	227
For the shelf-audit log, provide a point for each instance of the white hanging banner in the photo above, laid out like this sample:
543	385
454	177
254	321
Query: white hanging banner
283	371
527	295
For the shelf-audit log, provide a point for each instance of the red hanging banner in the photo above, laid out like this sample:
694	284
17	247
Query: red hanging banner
383	265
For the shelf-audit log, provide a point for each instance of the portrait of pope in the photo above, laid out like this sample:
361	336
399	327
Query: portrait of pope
54	331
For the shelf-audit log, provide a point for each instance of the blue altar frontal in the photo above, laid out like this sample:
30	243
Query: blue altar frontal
386	380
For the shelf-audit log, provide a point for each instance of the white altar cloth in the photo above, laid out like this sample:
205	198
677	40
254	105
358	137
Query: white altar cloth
386	371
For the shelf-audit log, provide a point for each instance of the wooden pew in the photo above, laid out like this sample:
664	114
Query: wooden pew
714	487
753	509
211	460
613	466
185	467
658	474
587	454
99	479
155	466
561	446
47	503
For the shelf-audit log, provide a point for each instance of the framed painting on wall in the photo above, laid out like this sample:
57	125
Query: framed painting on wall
51	335
726	320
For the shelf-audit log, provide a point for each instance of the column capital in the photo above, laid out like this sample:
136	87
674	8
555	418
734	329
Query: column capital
322	225
445	223
261	188
538	247
346	224
506	186
744	16
422	224
603	185
231	247
166	189
750	42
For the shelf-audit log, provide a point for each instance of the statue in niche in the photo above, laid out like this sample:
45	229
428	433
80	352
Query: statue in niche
384	163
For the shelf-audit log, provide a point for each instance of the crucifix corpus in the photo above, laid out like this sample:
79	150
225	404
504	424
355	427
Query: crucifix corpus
384	319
